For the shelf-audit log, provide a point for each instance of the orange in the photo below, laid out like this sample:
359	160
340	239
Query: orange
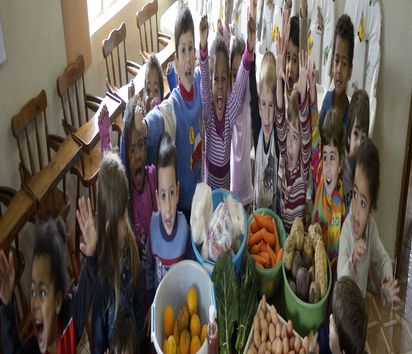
203	334
192	301
195	326
194	345
184	342
168	320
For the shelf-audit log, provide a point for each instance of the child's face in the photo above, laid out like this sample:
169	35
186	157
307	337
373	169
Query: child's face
185	60
45	303
292	66
331	167
153	87
235	68
167	196
137	159
292	146
342	69
333	337
361	203
267	112
356	138
219	85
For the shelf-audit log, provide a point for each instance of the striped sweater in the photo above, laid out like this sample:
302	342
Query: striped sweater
218	135
293	186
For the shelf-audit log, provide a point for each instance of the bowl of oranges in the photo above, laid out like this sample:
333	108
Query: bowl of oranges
179	313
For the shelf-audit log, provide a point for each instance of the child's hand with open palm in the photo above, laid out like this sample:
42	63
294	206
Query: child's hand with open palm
7	277
300	86
86	221
203	32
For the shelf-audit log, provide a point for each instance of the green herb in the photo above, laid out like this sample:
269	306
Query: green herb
248	304
226	293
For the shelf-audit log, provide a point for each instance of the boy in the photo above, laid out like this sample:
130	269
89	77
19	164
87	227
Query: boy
58	319
360	246
180	114
342	55
357	133
169	240
266	156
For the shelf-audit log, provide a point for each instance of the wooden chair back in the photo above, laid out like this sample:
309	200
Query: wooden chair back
72	92
115	57
27	129
148	26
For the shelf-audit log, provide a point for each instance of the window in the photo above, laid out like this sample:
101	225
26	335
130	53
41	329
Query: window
101	11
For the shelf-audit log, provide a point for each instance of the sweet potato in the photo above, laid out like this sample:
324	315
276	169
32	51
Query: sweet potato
297	263
321	268
302	283
298	233
314	293
307	252
288	252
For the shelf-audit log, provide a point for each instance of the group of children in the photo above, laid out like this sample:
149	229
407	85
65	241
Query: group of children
141	227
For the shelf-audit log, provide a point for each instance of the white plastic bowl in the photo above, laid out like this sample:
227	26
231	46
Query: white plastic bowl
173	289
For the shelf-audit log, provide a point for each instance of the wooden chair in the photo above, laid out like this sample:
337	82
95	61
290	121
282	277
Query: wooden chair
117	66
147	24
76	103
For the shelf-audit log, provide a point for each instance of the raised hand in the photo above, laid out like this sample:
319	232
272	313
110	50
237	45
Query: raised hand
7	277
86	222
203	32
303	74
139	123
281	46
304	8
228	12
390	291
312	77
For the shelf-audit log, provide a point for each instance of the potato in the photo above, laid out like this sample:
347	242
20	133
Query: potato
261	314
263	304
314	293
289	328
284	333
264	325
256	338
305	344
272	332
307	252
302	351
264	336
288	252
298	344
256	323
277	346
273	314
269	346
297	263
252	350
312	273
285	344
278	330
321	268
302	283
291	342
262	348
314	233
268	319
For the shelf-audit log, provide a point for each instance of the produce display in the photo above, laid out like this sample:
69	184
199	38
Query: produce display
184	334
305	260
218	233
271	334
263	241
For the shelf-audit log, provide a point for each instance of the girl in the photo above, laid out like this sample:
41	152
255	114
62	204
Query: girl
58	318
327	157
219	111
240	162
360	245
153	83
293	135
118	263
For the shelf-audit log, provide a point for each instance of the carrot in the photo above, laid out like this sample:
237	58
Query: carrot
264	221
271	254
280	255
254	226
266	256
268	237
260	261
256	248
256	238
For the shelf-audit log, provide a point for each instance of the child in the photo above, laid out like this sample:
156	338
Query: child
58	318
180	114
342	55
117	256
124	334
169	241
220	111
266	159
326	166
360	245
240	162
348	321
153	83
293	136
357	133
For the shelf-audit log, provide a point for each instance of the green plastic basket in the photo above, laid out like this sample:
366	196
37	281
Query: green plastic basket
269	279
305	316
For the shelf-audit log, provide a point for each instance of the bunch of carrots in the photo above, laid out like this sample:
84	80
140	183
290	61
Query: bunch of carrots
263	241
